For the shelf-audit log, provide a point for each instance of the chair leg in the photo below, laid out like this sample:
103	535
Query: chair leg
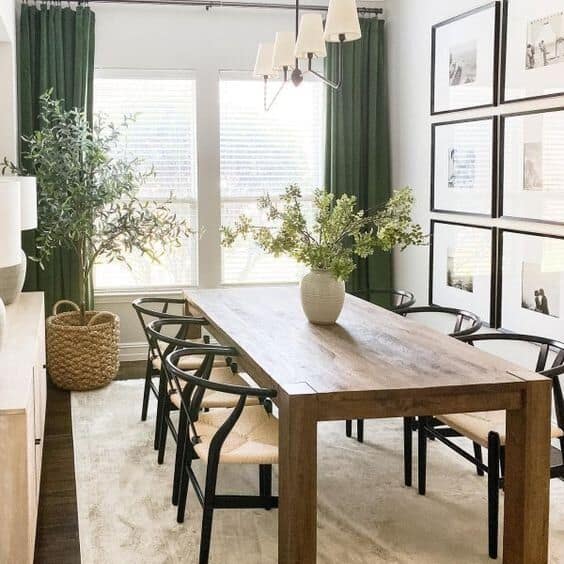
184	480
493	492
407	450
360	430
422	455
180	446
478	455
161	400
163	430
348	428
265	483
207	517
147	389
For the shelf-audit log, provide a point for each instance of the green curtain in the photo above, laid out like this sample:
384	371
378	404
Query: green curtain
357	142
56	52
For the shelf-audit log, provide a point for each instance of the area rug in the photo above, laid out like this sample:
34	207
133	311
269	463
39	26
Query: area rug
366	515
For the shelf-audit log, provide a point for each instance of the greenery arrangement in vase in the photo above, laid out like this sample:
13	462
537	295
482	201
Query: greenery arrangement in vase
337	233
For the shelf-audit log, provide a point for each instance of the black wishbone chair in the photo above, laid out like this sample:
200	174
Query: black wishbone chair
394	300
391	299
246	434
465	323
170	400
146	314
148	309
487	429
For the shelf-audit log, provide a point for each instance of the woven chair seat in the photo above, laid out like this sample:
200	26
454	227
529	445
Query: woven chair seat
477	426
253	439
212	398
191	362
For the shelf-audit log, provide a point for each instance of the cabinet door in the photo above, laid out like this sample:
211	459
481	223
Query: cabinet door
40	385
40	397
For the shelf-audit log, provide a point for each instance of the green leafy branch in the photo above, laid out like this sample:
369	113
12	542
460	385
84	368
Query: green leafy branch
338	233
87	200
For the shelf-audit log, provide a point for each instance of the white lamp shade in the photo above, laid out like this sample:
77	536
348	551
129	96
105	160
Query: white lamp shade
28	201
342	20
310	37
263	65
284	46
10	224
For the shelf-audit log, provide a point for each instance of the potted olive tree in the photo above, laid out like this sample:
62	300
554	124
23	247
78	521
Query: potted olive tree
88	203
329	242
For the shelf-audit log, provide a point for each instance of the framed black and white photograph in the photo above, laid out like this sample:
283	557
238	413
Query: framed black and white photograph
462	268
463	166
531	280
464	60
532	49
532	166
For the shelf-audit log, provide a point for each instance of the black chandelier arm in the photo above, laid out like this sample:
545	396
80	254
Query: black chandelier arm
268	105
335	85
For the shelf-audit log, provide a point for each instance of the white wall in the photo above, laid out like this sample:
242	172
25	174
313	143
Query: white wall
409	61
189	38
8	82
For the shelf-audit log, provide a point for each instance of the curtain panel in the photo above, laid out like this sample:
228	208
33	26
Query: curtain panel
56	53
357	142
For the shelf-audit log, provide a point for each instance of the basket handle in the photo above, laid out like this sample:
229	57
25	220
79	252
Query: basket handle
98	316
67	302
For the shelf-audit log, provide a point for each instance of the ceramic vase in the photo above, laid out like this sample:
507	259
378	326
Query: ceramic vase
323	296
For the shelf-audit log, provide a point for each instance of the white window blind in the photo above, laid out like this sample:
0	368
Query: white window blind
163	136
265	152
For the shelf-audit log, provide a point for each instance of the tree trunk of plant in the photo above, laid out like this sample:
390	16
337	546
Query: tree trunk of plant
83	281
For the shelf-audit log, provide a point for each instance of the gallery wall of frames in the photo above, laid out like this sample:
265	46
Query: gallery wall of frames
505	165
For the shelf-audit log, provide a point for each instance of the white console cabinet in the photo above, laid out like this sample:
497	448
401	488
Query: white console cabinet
22	422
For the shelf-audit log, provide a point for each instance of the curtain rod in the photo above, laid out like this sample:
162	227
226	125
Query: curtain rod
228	4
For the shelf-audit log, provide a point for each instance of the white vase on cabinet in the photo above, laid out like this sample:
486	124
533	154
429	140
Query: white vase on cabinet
323	296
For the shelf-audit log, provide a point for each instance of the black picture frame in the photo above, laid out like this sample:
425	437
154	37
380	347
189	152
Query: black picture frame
493	321
502	140
497	39
494	180
499	271
504	36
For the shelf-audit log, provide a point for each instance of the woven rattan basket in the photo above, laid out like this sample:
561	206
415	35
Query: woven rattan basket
82	357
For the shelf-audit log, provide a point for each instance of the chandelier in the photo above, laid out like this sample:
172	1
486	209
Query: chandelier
307	43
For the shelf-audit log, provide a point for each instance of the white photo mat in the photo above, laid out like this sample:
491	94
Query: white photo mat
533	166
463	166
464	69
533	54
532	284
462	267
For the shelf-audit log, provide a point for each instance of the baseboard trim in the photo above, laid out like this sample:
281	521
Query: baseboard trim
129	352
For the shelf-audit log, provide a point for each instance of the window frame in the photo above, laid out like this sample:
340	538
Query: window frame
208	201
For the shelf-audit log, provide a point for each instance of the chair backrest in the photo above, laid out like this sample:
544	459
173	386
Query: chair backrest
546	346
465	322
163	344
149	309
392	299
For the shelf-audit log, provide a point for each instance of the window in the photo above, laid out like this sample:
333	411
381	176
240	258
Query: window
265	152
164	137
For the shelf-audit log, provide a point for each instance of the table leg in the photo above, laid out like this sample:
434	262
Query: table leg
297	514
527	478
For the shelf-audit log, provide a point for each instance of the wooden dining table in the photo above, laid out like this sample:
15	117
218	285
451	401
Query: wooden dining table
374	364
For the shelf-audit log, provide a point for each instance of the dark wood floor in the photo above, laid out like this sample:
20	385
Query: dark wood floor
57	539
